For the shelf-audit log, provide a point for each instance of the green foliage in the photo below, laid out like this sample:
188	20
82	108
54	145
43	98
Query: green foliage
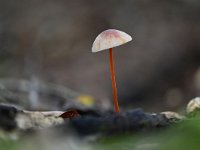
10	145
183	136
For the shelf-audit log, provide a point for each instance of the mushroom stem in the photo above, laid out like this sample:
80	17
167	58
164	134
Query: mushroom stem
113	80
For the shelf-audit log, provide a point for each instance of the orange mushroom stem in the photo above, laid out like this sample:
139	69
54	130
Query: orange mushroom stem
112	72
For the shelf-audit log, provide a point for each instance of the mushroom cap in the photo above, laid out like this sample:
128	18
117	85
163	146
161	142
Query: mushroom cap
110	38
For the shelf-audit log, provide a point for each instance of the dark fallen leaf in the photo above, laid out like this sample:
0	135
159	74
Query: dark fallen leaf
69	114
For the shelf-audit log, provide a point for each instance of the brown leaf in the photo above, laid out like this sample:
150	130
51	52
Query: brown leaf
69	114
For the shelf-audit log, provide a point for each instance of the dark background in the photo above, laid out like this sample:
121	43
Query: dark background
51	40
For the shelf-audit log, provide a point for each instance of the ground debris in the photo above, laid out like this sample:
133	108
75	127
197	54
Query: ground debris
133	120
86	121
25	93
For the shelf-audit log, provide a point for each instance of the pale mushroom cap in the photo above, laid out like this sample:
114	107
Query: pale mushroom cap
109	39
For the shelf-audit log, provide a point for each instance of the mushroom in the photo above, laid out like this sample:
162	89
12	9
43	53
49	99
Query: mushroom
107	40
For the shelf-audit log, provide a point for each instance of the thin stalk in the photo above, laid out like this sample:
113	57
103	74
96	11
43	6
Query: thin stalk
112	72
